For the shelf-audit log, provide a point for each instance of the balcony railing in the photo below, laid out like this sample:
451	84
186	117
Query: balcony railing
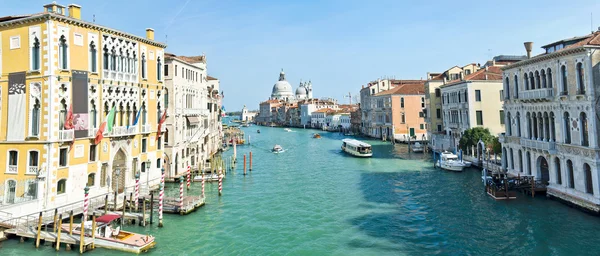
123	131
32	170
13	169
146	128
92	132
453	125
538	144
66	135
537	94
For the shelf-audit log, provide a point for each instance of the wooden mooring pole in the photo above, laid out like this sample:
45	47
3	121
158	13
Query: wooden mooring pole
105	204
244	164
39	232
143	222
93	231
250	160
151	207
81	237
124	205
58	233
71	223
55	219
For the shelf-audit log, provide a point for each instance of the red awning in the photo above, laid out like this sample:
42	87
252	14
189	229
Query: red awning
108	218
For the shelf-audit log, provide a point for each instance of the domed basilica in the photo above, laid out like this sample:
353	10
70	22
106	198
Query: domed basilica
282	90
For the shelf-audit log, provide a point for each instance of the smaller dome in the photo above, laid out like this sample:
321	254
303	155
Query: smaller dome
300	91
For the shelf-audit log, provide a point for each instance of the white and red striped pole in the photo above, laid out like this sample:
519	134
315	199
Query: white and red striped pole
160	199
202	184
85	202
220	184
181	194
137	191
189	174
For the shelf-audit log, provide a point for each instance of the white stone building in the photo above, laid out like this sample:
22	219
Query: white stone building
214	138
187	93
551	112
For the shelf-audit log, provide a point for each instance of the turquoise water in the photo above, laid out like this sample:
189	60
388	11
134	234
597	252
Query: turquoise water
314	200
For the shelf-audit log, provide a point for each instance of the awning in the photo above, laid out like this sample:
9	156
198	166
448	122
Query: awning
193	120
107	218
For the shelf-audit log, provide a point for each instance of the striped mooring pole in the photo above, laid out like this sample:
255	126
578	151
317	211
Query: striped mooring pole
203	184
180	193
85	203
189	174
160	199
220	184
137	191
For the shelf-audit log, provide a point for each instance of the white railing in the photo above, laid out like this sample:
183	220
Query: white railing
32	170
92	132
538	144
13	169
544	93
118	130
146	128
132	129
65	135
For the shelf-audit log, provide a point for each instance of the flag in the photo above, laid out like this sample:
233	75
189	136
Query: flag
110	119
160	122
69	119
99	134
137	117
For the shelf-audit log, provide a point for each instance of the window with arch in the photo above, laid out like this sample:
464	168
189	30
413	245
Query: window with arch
402	102
520	161
35	118
11	190
143	65
506	88
166	98
33	162
144	114
61	186
35	54
91	180
158	69
563	74
438	92
120	113
528	159
567	127
63	114
93	58
113	59
549	77
62	53
537	80
580	80
570	174
13	161
512	159
532	81
508	124
105	58
518	124
558	171
543	77
93	114
516	87
403	118
526	81
589	183
585	139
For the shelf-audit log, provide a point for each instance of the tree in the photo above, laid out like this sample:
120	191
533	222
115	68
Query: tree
496	146
471	137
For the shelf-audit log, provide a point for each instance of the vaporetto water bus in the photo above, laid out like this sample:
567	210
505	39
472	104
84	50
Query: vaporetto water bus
357	148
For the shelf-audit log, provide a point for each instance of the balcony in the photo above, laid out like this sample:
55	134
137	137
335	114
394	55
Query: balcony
66	135
32	170
453	125
92	132
123	131
146	128
12	169
537	94
538	144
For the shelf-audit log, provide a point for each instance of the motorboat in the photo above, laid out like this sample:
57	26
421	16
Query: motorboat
467	163
207	178
287	129
449	161
110	236
356	148
277	149
257	131
317	136
417	147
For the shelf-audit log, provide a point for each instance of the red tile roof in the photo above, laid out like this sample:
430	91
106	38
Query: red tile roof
324	110
211	78
405	89
493	73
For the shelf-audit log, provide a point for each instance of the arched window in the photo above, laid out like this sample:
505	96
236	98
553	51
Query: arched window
93	58
158	69
512	159
567	128
585	139
528	116
143	65
63	114
62	53
11	191
507	88
402	102
570	174
166	98
113	60
543	77
518	124
128	116
144	114
403	120
580	81
91	180
508	124
526	80
520	161
121	111
558	171
528	159
94	114
158	112
537	80
532	81
105	58
61	187
516	87
549	77
35	118
35	54
563	74
589	183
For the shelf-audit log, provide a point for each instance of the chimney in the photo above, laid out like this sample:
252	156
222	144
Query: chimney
528	46
462	76
444	79
150	34
75	11
493	62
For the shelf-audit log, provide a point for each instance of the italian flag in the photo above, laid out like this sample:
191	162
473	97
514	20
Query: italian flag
110	119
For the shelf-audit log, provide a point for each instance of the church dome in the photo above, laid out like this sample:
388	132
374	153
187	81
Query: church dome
282	89
301	91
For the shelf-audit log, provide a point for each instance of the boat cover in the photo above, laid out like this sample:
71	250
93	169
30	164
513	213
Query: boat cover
108	218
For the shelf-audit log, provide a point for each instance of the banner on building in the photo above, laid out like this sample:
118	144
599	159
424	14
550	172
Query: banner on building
81	120
17	107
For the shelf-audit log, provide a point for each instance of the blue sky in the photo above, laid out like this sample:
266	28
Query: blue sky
339	45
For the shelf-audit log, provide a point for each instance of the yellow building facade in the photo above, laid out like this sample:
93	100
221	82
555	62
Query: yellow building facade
53	63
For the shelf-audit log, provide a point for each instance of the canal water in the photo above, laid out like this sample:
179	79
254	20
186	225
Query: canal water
314	200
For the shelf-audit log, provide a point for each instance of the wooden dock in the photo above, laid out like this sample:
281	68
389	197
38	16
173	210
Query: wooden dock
48	236
190	204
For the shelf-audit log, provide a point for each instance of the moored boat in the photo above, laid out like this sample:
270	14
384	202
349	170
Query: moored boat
287	129
317	136
449	161
207	178
109	237
417	147
357	148
257	131
277	149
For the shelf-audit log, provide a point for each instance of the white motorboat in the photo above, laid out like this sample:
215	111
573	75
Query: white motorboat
417	147
467	163
277	149
287	129
357	148
449	161
207	178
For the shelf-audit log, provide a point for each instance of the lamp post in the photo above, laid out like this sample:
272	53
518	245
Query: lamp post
148	174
